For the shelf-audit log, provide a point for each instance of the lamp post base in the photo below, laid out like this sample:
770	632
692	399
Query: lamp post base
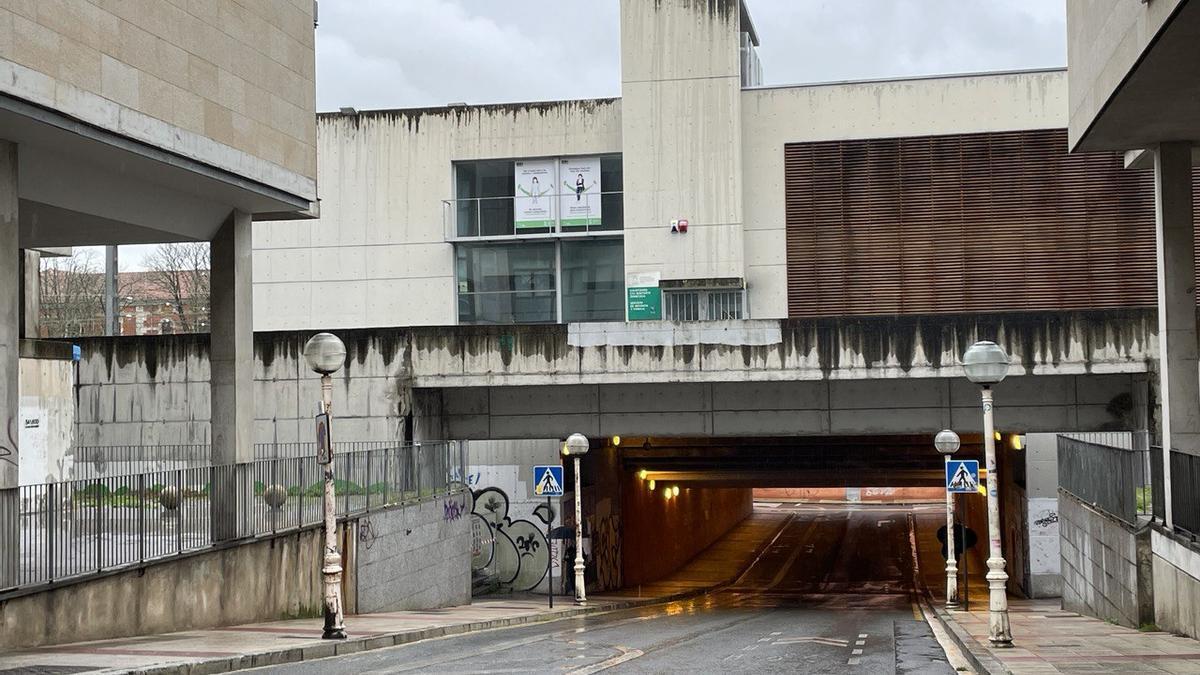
999	631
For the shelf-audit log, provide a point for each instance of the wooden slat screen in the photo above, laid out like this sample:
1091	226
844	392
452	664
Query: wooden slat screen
966	223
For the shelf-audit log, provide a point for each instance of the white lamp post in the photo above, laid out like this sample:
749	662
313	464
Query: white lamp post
577	446
947	444
325	354
987	364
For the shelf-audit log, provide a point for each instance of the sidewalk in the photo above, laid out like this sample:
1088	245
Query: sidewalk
275	642
1047	639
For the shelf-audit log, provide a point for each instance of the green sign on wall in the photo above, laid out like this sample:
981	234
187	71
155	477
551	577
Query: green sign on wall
644	303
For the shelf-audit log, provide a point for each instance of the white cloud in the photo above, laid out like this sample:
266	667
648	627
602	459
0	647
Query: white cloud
413	53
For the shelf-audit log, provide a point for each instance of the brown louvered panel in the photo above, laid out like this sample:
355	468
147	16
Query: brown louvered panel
967	223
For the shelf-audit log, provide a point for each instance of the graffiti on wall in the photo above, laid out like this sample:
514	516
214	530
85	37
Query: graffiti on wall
607	549
514	551
454	508
7	451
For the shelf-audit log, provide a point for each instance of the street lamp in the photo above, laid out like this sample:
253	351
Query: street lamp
987	364
325	353
577	446
947	443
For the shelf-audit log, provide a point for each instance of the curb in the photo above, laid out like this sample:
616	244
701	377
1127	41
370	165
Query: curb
983	662
355	645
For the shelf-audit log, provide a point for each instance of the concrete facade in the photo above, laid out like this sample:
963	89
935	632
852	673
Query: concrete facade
877	376
416	557
1176	583
383	252
1043	521
226	83
47	420
1106	565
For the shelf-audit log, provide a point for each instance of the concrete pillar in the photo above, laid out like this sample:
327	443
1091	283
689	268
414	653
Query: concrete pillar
112	309
10	331
31	294
1178	373
232	361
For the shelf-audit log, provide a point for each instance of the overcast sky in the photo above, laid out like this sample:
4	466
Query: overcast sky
414	53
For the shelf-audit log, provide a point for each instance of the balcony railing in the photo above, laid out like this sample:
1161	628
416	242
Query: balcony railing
565	214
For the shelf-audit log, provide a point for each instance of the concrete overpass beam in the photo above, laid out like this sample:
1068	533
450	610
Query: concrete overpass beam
232	361
10	332
1180	384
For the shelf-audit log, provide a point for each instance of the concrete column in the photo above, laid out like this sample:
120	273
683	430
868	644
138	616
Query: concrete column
10	331
232	361
1178	373
112	309
31	294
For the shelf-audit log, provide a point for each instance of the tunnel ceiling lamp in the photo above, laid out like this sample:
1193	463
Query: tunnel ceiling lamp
1017	442
947	442
616	440
324	353
651	485
985	363
675	491
642	474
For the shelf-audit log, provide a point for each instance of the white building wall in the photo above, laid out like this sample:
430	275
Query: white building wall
772	117
681	104
379	256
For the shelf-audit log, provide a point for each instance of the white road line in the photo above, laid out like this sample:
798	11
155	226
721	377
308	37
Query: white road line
626	655
777	633
859	643
856	652
853	661
766	639
862	636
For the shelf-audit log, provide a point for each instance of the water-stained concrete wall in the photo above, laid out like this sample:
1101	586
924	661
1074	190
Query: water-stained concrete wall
867	375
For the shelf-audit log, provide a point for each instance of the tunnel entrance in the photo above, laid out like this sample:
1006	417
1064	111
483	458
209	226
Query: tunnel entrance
848	515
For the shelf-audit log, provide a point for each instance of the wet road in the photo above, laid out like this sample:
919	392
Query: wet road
833	592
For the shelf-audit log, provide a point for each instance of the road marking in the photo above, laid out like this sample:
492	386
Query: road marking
766	639
777	633
626	655
859	643
862	636
856	652
853	661
917	612
831	642
750	648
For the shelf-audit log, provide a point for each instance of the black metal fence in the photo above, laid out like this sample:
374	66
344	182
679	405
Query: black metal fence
1185	492
1158	489
1111	471
87	526
97	461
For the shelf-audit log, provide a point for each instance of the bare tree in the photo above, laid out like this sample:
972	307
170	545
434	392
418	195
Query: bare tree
181	273
72	295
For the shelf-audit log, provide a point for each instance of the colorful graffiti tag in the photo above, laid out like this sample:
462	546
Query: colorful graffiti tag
514	551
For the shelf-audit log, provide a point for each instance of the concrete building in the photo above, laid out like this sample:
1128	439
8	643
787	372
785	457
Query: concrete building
144	122
750	286
1134	88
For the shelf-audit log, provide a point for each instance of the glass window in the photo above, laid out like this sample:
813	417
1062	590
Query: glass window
485	196
506	283
484	191
593	284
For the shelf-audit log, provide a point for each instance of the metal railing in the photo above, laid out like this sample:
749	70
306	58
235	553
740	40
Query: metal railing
474	217
1158	491
1111	471
1185	492
82	527
703	304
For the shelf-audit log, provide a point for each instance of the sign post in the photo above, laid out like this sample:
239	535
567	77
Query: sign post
548	482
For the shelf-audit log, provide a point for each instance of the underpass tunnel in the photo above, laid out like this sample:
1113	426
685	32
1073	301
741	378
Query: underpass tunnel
653	504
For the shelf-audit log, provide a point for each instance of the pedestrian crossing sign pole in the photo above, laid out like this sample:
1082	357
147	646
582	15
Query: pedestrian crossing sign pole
962	475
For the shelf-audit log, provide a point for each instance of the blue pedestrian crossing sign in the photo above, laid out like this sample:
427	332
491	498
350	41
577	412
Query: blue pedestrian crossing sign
962	475
548	481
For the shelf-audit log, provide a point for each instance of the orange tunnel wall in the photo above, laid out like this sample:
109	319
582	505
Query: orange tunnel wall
659	535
